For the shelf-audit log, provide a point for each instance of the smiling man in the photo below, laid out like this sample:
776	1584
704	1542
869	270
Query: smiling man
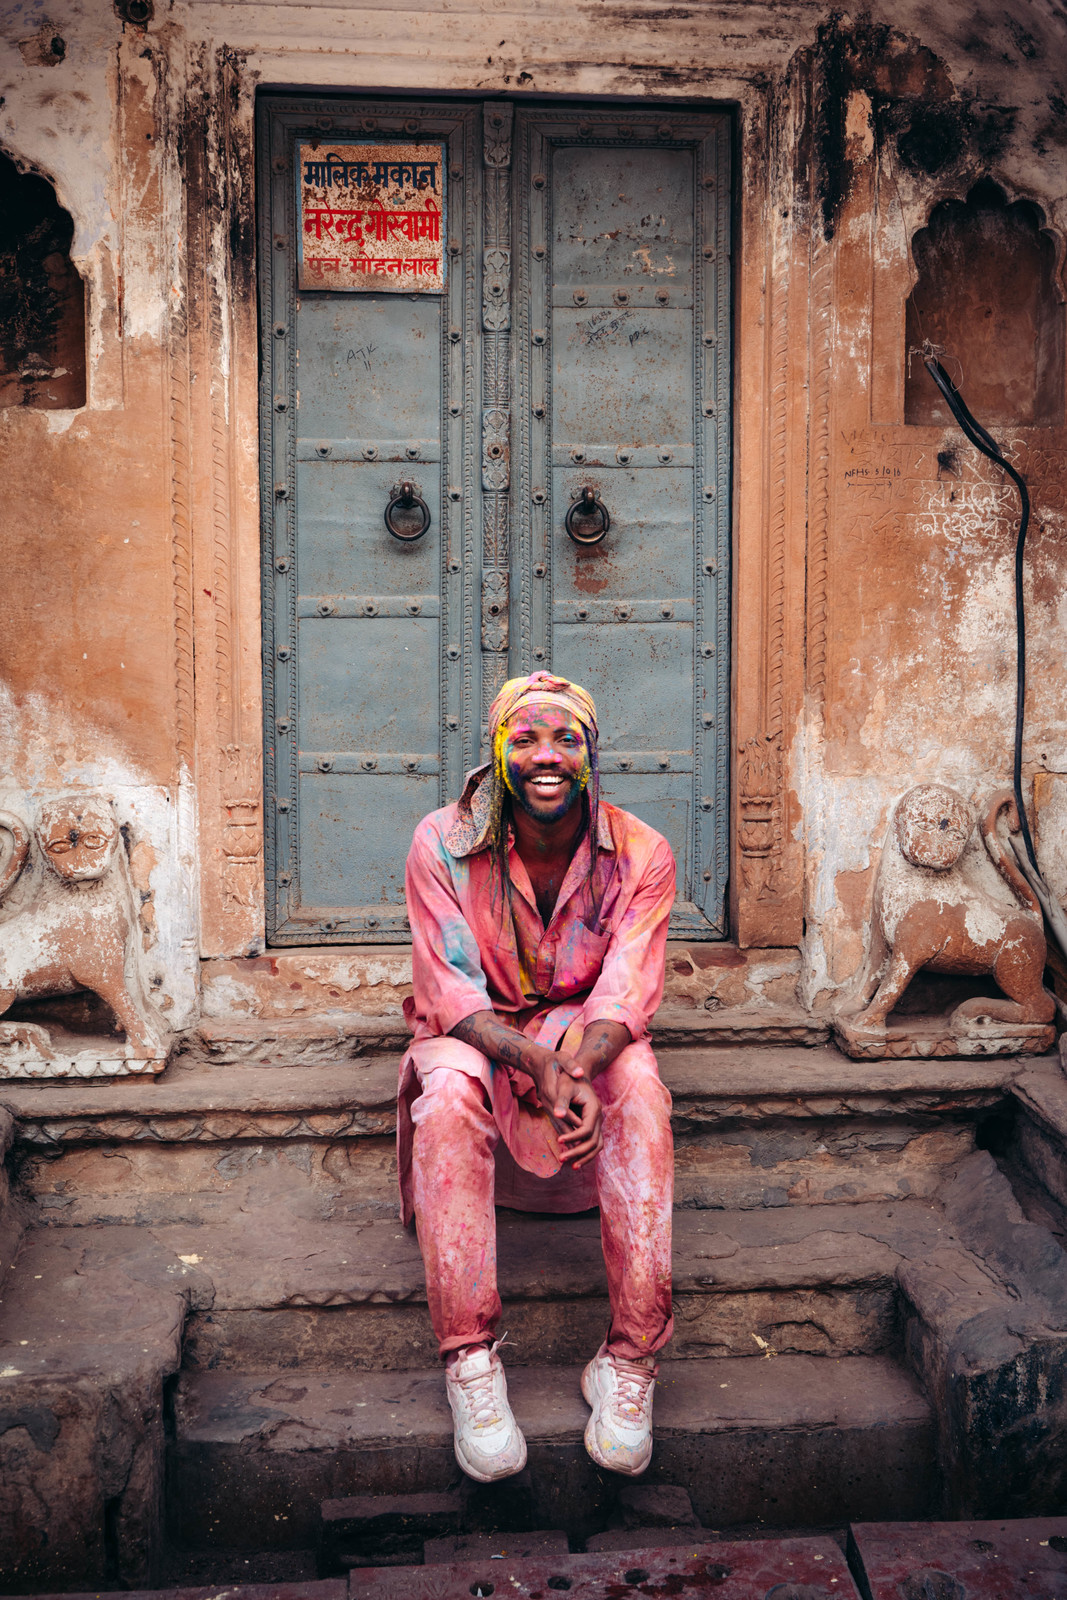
539	924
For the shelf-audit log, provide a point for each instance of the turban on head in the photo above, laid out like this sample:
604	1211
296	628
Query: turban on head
541	688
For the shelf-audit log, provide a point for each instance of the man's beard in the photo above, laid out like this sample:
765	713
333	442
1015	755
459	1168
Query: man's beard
572	794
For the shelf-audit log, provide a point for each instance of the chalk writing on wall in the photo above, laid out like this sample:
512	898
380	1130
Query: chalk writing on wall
372	217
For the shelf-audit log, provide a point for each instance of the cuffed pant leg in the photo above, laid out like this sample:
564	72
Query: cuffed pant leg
452	1187
635	1184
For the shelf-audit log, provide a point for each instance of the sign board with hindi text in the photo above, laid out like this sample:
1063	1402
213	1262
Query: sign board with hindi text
372	217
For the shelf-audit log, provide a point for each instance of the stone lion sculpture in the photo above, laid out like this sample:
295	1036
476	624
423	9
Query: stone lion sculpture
931	910
69	922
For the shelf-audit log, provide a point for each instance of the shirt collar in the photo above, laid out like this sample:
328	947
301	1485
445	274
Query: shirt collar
476	807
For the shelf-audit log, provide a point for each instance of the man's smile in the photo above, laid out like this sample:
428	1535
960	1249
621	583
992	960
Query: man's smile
545	762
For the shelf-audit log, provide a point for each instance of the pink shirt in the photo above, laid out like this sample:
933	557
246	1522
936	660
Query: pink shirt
601	958
603	951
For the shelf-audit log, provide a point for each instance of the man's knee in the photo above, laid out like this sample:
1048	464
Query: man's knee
633	1080
450	1094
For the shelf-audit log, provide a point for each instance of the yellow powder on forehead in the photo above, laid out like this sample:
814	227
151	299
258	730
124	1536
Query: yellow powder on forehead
543	686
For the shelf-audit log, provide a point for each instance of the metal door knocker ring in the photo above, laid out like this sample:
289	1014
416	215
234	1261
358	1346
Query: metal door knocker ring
587	520
416	514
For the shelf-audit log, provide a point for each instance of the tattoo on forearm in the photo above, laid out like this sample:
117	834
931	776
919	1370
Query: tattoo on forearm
602	1042
495	1039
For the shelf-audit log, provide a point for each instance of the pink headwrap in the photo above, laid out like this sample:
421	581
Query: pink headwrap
541	687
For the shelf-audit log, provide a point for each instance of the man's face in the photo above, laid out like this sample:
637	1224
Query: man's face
545	760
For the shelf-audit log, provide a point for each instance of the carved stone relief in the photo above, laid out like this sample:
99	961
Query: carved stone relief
935	908
69	923
498	119
496	290
759	785
496	448
497	136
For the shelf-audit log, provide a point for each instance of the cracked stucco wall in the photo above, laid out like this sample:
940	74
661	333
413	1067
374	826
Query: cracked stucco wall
919	645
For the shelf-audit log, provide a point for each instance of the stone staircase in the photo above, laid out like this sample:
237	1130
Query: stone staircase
213	1323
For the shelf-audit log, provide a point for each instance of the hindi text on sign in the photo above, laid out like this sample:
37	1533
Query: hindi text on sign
371	217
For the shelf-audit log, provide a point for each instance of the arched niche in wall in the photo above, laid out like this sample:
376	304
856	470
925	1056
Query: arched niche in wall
987	296
42	297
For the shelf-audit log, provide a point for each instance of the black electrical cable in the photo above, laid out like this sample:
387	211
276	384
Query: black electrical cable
988	446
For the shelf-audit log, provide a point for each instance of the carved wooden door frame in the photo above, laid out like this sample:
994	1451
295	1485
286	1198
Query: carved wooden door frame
783	342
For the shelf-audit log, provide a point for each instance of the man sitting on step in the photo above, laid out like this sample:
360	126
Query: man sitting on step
539	924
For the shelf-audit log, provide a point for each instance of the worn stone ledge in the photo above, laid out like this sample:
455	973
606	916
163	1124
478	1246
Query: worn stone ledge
330	1035
374	980
193	1103
292	1261
1041	1090
795	1437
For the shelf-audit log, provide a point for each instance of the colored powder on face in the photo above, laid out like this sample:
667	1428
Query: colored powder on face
532	717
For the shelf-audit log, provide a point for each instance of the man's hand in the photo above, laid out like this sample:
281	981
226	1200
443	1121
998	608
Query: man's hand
584	1139
561	1081
573	1105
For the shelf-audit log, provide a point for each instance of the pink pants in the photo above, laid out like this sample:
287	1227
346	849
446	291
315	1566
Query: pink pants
453	1171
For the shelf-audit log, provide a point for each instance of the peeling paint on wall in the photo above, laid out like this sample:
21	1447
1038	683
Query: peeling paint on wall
132	521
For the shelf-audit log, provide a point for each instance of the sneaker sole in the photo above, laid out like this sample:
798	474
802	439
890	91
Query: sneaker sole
487	1477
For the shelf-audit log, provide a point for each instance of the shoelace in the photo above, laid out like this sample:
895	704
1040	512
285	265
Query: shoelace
478	1393
634	1386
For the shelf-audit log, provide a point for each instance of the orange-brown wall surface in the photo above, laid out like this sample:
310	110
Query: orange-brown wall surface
874	631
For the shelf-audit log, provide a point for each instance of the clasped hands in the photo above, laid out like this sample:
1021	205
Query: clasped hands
562	1078
573	1104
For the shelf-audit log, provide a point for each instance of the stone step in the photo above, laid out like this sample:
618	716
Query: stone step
327	1036
92	1323
90	1326
790	1568
797	1439
273	1289
799	1279
753	1127
286	1292
787	1569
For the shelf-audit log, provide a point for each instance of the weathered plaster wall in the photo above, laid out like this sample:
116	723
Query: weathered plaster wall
87	661
911	533
874	631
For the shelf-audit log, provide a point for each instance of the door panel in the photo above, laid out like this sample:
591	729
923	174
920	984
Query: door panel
622	377
581	341
648	553
372	665
341	533
349	839
616	207
623	357
365	359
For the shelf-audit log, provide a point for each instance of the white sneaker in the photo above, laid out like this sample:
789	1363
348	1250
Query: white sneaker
488	1442
619	1433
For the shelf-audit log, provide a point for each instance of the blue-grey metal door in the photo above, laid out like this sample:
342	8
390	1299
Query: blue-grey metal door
558	371
369	402
623	428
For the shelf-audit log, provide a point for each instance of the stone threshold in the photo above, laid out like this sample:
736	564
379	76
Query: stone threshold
285	1041
193	1101
374	980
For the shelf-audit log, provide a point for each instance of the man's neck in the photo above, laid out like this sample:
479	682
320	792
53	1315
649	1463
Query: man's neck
546	850
548	841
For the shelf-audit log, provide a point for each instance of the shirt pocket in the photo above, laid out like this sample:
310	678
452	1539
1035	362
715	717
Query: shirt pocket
579	960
